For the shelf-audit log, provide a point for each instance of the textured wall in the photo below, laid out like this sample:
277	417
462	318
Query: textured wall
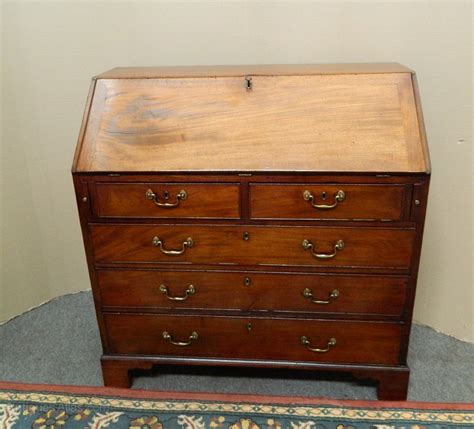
51	50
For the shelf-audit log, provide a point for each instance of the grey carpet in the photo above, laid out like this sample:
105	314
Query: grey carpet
58	343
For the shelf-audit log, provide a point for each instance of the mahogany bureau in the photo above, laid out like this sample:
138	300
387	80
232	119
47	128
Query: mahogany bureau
266	216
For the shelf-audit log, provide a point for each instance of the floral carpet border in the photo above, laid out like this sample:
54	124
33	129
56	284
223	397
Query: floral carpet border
280	407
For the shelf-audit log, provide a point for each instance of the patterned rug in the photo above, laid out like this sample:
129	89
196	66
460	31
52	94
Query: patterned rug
58	407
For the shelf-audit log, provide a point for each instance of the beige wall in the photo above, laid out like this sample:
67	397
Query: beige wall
50	51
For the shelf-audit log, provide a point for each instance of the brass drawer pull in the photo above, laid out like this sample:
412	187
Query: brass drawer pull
189	291
307	245
186	243
340	196
306	342
332	296
194	336
181	195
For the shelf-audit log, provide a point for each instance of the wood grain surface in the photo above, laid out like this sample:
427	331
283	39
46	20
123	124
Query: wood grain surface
356	342
258	70
331	122
203	201
374	202
251	291
217	244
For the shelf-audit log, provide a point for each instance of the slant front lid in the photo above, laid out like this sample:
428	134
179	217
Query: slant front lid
297	120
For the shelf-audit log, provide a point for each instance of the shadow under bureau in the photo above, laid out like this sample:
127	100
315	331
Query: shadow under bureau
267	216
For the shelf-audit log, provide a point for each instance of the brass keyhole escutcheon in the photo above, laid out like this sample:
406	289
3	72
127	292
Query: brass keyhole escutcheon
249	326
246	236
166	195
247	281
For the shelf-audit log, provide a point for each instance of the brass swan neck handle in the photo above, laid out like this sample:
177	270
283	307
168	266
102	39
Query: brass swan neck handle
180	196
157	242
190	290
308	196
305	341
332	296
193	337
308	245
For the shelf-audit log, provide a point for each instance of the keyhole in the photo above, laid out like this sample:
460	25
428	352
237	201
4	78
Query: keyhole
246	236
323	195
249	326
247	281
248	83
166	195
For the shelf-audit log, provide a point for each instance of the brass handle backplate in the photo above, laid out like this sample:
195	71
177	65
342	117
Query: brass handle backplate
193	337
306	342
332	297
157	242
190	290
340	196
181	195
307	245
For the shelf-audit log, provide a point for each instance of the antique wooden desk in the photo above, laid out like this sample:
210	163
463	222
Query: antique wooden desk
267	216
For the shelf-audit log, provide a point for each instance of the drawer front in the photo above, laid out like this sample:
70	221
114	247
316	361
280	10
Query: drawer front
250	291
320	201
242	245
167	200
253	338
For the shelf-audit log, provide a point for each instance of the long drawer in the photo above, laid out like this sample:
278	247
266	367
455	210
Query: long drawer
327	201
254	338
167	200
252	291
254	245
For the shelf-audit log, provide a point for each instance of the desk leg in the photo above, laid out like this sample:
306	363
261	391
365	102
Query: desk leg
117	372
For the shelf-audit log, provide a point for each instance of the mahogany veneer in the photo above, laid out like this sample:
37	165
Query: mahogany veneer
267	216
203	201
265	245
251	291
371	202
252	338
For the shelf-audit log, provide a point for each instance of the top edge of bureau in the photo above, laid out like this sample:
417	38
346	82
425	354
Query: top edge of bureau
253	173
243	70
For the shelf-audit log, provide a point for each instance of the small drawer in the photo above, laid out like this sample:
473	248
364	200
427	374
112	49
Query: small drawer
332	201
311	246
253	291
167	200
254	338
